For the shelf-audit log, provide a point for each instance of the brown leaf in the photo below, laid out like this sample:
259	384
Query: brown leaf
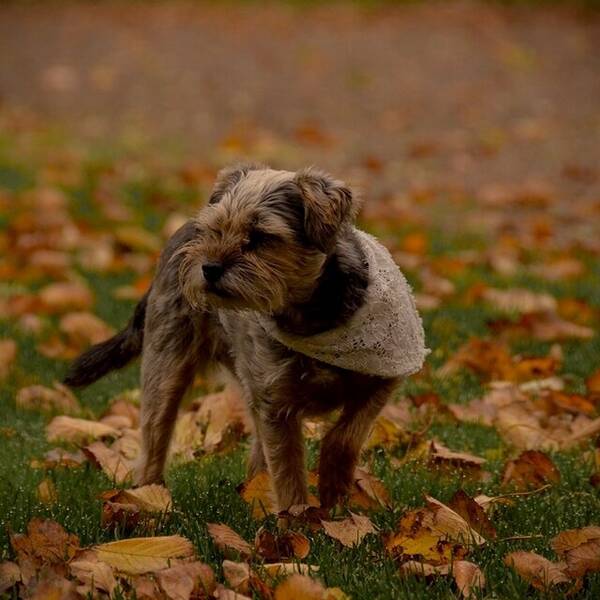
519	300
222	593
537	570
10	574
8	355
572	538
282	546
115	467
350	531
299	587
226	540
237	575
45	543
58	398
148	498
188	580
368	492
583	559
93	574
84	329
69	429
136	556
46	492
468	577
63	297
472	513
440	454
59	457
448	524
531	469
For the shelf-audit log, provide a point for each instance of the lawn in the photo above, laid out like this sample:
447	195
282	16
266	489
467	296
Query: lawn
62	205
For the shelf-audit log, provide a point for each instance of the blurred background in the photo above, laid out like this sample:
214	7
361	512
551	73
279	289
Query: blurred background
400	97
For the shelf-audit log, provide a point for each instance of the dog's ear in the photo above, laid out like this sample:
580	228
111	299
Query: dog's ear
228	177
328	204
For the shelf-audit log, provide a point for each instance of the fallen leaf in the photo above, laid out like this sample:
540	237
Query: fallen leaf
572	538
473	513
95	575
188	580
300	587
541	573
468	577
58	398
70	429
136	556
350	531
226	540
84	329
286	545
8	355
10	574
46	491
583	559
148	498
59	457
115	467
519	300
368	492
531	469
63	297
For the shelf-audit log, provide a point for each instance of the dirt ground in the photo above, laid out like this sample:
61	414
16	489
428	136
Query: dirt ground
456	97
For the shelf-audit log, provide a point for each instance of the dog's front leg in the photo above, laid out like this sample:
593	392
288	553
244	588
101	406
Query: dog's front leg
283	447
341	446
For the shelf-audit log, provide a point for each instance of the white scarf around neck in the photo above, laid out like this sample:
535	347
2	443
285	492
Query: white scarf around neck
384	337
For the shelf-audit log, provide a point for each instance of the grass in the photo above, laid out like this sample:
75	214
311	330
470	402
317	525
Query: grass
205	491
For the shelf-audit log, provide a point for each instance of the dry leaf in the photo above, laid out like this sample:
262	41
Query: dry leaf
468	577
368	492
58	398
541	573
69	429
188	580
95	575
572	538
115	467
350	531
531	469
281	546
10	574
136	556
8	355
46	492
226	540
84	328
473	513
148	498
237	575
63	297
520	300
584	558
300	587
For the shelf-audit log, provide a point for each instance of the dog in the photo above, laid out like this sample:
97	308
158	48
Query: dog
272	282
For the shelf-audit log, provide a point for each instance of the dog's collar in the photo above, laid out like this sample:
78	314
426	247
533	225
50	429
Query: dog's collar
384	337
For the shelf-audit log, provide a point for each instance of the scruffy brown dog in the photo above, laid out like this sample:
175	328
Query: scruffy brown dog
273	258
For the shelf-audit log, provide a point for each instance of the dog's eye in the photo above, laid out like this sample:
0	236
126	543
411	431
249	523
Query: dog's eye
257	237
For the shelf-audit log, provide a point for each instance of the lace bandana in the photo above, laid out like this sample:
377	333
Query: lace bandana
383	337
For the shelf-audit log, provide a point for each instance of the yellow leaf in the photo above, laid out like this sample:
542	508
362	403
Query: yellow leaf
69	429
145	555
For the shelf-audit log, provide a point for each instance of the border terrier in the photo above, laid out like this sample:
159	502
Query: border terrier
272	282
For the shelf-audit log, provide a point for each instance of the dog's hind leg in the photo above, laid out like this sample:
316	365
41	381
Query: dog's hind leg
341	446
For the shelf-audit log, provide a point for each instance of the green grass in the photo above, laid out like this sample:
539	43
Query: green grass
205	491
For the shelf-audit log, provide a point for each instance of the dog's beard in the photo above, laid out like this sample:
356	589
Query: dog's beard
241	288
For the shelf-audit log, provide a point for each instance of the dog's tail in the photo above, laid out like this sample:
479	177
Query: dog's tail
112	354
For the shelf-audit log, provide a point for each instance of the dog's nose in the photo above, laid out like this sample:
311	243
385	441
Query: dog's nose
212	271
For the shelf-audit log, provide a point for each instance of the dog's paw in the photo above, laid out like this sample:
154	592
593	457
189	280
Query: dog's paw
335	484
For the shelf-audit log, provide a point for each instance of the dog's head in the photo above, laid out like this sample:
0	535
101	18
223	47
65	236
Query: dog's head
263	238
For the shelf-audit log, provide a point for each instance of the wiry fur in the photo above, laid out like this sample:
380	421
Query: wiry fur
286	248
